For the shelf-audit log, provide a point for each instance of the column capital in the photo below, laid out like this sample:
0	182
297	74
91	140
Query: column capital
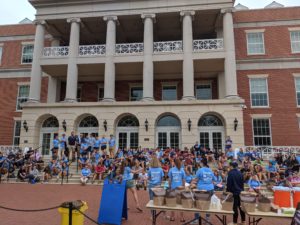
74	20
227	10
111	18
39	22
149	15
187	13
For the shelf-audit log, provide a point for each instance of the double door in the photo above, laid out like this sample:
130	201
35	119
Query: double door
168	137
212	138
46	142
128	138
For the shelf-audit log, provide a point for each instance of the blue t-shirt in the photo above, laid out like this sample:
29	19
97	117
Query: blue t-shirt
103	141
97	143
97	156
63	142
120	154
254	184
55	143
155	176
271	169
205	179
241	155
112	142
189	178
83	147
85	172
176	177
298	159
127	174
230	154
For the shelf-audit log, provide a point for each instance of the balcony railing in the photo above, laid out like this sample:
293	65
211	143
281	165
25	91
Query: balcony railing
136	48
167	46
91	50
56	51
268	152
208	44
129	48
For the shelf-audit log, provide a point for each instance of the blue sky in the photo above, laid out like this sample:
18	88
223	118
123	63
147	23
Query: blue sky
13	11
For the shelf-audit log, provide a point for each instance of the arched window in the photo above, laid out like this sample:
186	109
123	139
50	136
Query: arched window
168	121
50	122
129	121
89	121
210	121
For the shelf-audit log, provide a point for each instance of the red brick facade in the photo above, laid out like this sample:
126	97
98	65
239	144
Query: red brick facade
281	82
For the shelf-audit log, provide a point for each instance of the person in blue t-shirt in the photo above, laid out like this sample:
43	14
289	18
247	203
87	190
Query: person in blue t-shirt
240	155
254	184
176	179
55	143
63	145
218	181
97	144
272	171
111	146
155	175
128	177
103	142
85	174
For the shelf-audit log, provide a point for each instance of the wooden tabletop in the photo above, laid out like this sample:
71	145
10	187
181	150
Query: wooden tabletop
150	205
258	213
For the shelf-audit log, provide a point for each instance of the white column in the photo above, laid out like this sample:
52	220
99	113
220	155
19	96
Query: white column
148	76
230	61
110	70
72	74
36	70
188	63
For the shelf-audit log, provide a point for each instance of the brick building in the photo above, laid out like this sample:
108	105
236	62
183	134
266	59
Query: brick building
168	76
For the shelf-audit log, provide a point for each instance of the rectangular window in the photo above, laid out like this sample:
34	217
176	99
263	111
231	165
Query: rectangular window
169	93
262	132
1	50
136	93
100	94
255	43
162	140
259	92
23	94
297	81
27	54
204	91
295	41
17	133
79	94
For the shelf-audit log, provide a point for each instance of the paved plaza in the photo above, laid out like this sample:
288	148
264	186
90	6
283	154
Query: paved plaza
25	196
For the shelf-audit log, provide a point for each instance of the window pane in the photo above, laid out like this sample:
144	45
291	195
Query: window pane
169	93
22	95
100	94
174	140
258	89
134	140
204	139
1	50
17	133
168	121
204	91
162	140
27	54
295	41
217	140
261	132
122	140
136	93
78	94
255	43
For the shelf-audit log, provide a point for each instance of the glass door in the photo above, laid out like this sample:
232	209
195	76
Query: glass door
122	140
174	140
204	139
162	140
212	139
46	143
134	140
217	140
168	139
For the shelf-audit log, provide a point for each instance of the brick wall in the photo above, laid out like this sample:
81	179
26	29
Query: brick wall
8	101
282	102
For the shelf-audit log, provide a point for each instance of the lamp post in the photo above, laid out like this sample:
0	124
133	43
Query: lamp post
235	122
64	125
25	126
189	123
105	125
146	125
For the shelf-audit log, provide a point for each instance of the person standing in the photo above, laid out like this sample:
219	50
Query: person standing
235	185
63	146
228	144
55	146
155	175
103	144
112	143
72	145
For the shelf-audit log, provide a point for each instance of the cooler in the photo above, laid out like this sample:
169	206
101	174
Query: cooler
282	196
296	197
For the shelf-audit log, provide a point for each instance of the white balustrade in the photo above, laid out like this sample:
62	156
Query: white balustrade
208	44
91	50
268	152
61	51
167	46
6	149
129	48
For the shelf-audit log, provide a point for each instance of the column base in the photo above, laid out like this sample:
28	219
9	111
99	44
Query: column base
232	97
147	99
70	100
108	100
188	98
32	100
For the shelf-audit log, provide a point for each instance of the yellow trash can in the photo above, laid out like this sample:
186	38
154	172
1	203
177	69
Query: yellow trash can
77	217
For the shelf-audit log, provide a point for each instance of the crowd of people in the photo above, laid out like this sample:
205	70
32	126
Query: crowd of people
198	167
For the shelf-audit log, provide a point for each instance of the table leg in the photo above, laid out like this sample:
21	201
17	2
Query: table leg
223	220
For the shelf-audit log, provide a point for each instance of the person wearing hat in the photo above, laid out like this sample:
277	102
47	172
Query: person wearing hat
235	185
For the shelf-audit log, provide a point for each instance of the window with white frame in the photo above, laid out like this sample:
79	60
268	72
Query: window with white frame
169	92
100	93
27	54
262	132
297	81
23	95
204	91
17	133
1	51
136	93
259	92
295	41
255	43
79	92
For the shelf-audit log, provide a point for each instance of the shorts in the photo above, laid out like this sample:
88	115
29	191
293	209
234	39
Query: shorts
129	184
103	147
96	148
